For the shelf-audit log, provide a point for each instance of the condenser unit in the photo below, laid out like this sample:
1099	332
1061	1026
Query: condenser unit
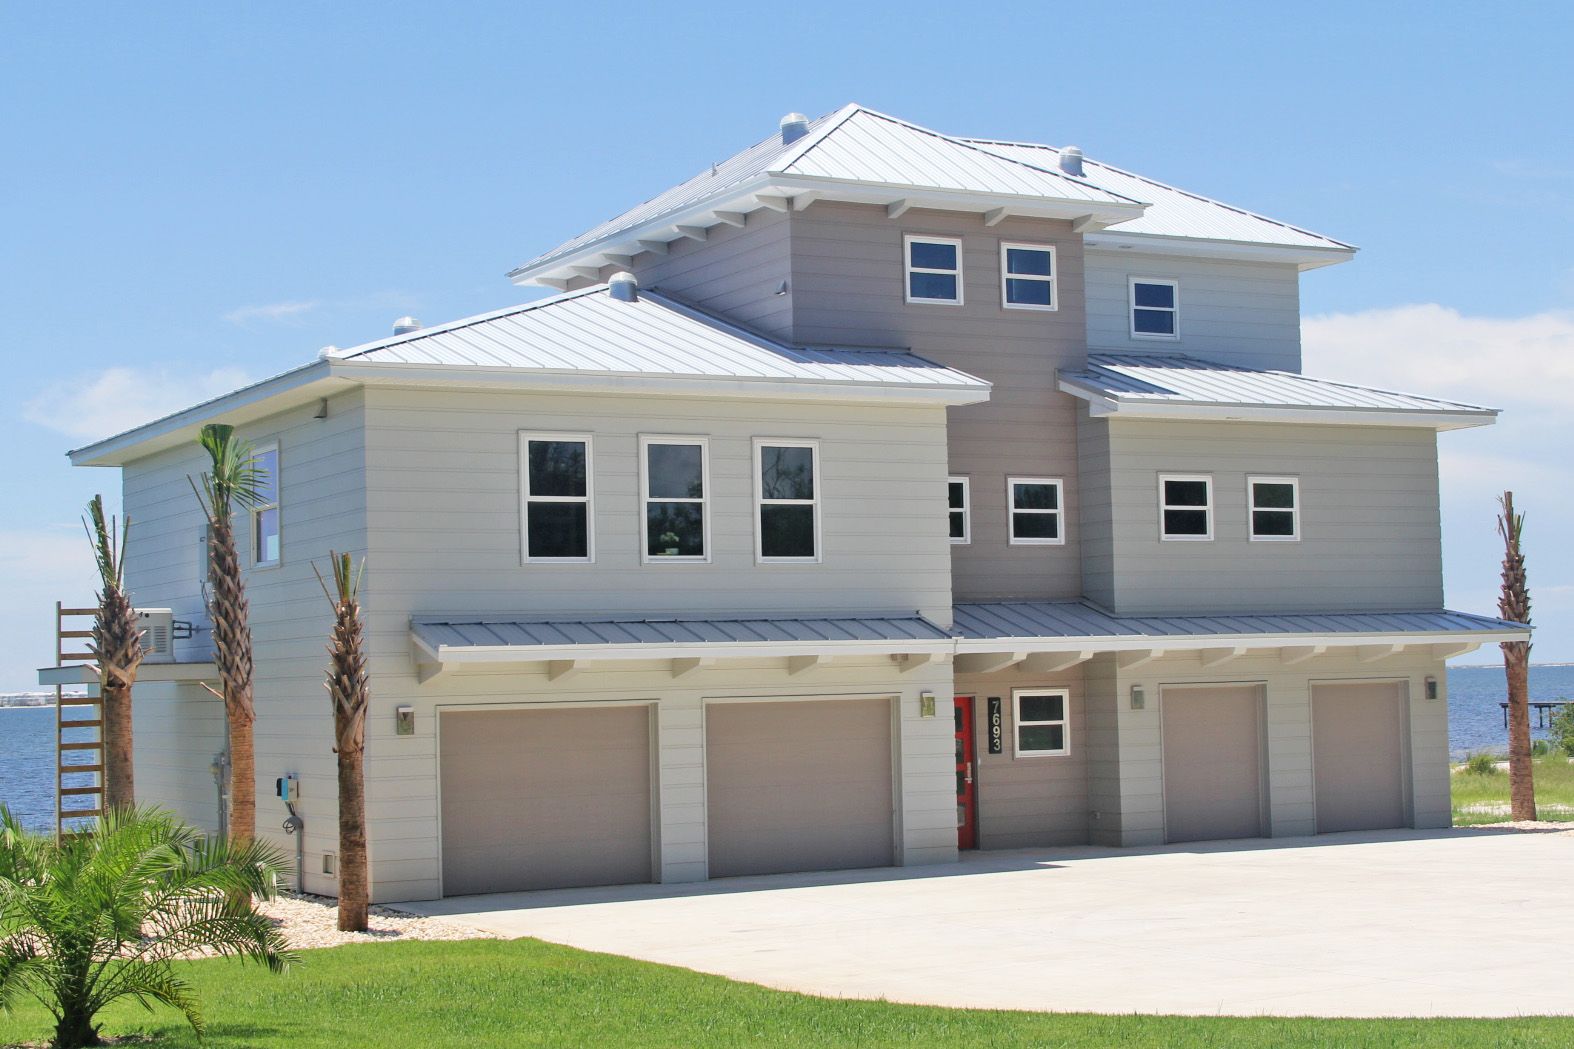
158	634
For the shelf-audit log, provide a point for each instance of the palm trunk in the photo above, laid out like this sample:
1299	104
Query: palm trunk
120	789
353	882
349	692
1514	605
232	655
117	649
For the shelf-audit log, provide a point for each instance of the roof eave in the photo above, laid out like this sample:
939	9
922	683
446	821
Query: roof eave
1194	642
1302	256
1103	405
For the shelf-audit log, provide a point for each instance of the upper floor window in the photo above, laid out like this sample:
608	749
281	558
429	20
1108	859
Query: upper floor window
1035	506
1027	276
265	540
673	479
1041	722
959	501
1186	506
1275	508
1155	309
788	497
557	483
934	270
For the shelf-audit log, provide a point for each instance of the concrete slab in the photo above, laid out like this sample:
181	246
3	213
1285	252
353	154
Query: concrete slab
1401	923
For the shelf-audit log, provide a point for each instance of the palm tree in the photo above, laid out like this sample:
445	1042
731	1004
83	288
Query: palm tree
233	477
104	915
350	693
1514	605
117	646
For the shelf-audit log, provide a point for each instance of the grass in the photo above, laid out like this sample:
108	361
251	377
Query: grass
1554	778
488	993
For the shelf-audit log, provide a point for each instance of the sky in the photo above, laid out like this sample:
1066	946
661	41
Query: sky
196	195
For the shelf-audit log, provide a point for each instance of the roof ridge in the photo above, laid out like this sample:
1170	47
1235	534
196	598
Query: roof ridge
829	122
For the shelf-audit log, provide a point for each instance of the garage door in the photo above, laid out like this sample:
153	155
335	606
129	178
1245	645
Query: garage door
540	799
1358	756
1212	763
799	786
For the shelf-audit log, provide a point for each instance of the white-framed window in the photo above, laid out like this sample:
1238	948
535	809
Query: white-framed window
934	269
674	480
1036	509
1186	507
787	500
266	540
1027	277
1274	504
556	480
1155	308
959	500
1041	722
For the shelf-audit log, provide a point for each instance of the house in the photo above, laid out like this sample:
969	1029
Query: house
872	495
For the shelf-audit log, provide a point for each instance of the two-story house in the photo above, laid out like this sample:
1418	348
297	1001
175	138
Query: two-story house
873	494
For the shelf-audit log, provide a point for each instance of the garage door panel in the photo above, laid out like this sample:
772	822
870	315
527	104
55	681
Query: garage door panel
1212	755
1358	735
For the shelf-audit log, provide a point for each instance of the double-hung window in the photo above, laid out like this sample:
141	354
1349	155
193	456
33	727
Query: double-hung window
1186	506
1027	276
673	479
959	500
934	269
1036	511
556	483
1041	722
1155	309
265	537
787	490
1275	508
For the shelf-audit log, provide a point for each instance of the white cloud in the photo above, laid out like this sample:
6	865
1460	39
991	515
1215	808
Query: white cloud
116	399
273	311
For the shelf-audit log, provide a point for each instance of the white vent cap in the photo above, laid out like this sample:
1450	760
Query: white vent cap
1071	161
405	325
623	287
794	126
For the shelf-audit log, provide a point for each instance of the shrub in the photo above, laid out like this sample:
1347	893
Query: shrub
1562	729
1482	764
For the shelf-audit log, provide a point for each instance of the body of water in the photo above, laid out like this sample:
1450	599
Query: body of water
27	749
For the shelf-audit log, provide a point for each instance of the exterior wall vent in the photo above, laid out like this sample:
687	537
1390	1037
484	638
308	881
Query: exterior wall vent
794	126
1071	161
623	287
405	325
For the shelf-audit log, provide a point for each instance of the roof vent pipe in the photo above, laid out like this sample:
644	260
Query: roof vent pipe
623	287
405	325
1071	161
794	126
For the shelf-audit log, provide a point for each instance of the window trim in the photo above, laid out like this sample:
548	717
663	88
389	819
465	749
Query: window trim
1252	480
525	498
1173	311
646	440
908	269
1207	508
966	510
1053	280
1059	513
1016	722
255	512
758	468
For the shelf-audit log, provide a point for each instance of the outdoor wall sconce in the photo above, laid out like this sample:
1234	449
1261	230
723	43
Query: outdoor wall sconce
1431	687
1139	699
926	704
404	723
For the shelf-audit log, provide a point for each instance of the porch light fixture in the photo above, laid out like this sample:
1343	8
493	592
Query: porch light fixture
404	721
926	704
1139	699
1431	687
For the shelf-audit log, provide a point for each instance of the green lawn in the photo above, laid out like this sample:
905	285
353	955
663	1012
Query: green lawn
1554	777
485	993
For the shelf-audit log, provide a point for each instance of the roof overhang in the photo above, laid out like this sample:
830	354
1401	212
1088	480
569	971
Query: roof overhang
86	674
1303	257
1103	405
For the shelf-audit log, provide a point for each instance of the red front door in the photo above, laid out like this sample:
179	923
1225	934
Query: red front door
966	792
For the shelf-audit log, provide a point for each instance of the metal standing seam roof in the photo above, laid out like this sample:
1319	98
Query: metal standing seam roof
1181	379
588	331
493	634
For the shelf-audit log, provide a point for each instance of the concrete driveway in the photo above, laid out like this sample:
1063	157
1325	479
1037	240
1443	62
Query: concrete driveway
1402	923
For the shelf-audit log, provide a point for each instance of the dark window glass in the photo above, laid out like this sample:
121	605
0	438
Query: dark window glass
1035	526
932	286
1161	296
928	256
786	473
1153	322
786	531
958	524
267	466
1041	737
1185	522
1029	292
558	529
557	468
1269	496
675	529
1186	493
1035	497
267	550
676	471
958	494
1027	262
1042	708
1272	522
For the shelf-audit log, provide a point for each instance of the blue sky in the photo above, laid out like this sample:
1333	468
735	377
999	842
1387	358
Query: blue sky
199	194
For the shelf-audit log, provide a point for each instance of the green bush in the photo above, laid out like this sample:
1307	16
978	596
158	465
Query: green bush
1482	764
1562	731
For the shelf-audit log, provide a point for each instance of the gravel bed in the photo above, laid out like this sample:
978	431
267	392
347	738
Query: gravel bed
309	921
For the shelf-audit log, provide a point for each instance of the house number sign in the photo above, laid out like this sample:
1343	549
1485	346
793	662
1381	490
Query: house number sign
997	729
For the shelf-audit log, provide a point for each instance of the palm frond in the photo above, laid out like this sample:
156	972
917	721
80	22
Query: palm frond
234	476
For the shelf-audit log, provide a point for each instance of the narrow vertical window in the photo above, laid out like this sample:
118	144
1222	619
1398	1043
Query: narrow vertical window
556	485
934	270
1035	506
1027	276
1275	508
1155	309
1186	506
959	501
265	539
674	479
788	511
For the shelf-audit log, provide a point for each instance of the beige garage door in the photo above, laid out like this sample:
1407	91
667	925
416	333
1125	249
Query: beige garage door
541	799
799	786
1358	756
1212	763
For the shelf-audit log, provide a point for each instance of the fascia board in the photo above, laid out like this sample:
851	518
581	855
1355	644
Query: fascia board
454	655
1104	406
1304	256
1193	642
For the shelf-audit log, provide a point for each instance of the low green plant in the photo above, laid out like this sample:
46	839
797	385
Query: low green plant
1561	729
1482	764
105	915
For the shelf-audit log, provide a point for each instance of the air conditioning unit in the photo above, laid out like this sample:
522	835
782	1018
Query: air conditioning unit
158	634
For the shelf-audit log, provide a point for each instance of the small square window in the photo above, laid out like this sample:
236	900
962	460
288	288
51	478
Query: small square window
1042	725
1275	508
1036	511
960	509
934	270
1155	309
1186	507
1027	276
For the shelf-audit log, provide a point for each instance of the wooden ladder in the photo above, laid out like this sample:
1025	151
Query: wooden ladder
87	712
